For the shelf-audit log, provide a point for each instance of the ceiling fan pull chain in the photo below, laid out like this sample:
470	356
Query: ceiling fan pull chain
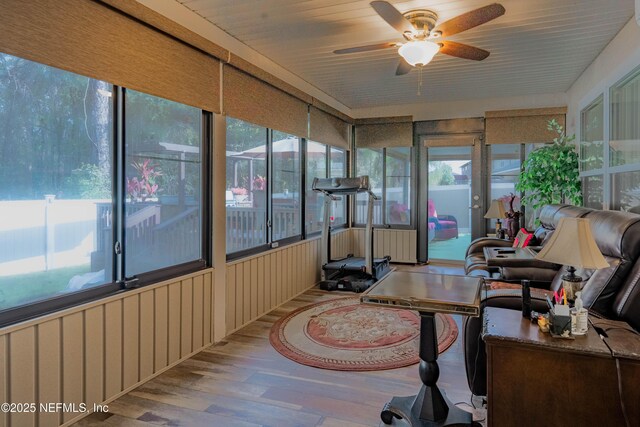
420	82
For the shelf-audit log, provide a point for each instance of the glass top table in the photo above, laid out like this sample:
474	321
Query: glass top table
428	294
435	293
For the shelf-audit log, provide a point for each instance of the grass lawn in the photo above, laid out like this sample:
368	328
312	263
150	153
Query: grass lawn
24	288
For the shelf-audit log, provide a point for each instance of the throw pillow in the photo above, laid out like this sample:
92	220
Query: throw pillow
523	238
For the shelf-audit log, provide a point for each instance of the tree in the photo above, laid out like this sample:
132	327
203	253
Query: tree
441	173
97	121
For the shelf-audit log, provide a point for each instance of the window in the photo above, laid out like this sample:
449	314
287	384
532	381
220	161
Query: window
319	162
286	195
504	166
338	169
398	186
592	154
592	136
624	141
369	161
504	170
610	161
316	168
163	183
264	184
246	195
625	191
56	163
592	191
62	205
389	171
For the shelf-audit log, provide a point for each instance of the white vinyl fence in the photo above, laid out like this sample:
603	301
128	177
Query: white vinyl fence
37	235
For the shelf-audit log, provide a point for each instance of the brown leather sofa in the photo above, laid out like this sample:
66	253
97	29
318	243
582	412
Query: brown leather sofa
537	272
613	292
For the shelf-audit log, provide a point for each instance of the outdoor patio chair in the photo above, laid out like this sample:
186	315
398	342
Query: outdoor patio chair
445	226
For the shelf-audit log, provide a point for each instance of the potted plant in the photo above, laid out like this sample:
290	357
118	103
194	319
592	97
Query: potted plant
240	194
259	189
551	174
144	187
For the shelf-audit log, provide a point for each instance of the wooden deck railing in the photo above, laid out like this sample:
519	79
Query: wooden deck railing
175	238
361	211
247	227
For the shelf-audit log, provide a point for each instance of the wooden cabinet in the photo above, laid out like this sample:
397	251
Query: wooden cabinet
536	380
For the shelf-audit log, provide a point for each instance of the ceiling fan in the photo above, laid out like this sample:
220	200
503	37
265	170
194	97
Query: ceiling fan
418	27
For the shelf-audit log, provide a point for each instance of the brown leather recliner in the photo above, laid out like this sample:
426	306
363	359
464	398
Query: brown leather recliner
475	262
613	292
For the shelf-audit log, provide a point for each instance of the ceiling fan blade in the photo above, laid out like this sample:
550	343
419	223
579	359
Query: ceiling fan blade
470	20
392	16
366	48
464	51
403	67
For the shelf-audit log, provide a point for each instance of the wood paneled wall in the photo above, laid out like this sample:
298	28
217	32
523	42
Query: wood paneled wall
400	245
95	352
98	351
258	284
341	244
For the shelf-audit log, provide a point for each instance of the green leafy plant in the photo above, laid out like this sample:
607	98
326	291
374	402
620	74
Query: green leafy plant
90	181
550	173
146	186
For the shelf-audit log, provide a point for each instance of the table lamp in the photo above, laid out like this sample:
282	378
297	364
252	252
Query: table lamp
573	245
496	211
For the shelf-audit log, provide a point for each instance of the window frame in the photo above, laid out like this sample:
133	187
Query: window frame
118	283
412	197
328	160
344	151
327	151
177	270
607	171
304	233
585	174
302	147
270	242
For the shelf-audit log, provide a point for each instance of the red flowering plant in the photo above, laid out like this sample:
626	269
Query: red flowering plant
259	183
239	191
145	186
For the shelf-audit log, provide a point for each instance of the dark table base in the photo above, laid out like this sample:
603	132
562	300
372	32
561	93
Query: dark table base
430	407
406	407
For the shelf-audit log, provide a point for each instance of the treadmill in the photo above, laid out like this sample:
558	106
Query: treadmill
354	274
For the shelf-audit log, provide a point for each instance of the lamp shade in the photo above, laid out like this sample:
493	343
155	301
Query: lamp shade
496	210
418	52
573	244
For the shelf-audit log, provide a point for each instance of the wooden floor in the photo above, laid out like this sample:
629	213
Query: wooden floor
242	381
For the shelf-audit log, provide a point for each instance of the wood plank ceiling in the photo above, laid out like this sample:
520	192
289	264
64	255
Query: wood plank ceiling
537	47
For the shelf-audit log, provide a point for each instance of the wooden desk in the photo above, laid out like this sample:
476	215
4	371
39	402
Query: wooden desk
536	380
428	294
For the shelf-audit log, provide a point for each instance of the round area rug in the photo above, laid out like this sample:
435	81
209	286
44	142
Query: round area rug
344	335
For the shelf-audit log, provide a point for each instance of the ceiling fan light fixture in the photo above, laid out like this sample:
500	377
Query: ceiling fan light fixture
419	52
